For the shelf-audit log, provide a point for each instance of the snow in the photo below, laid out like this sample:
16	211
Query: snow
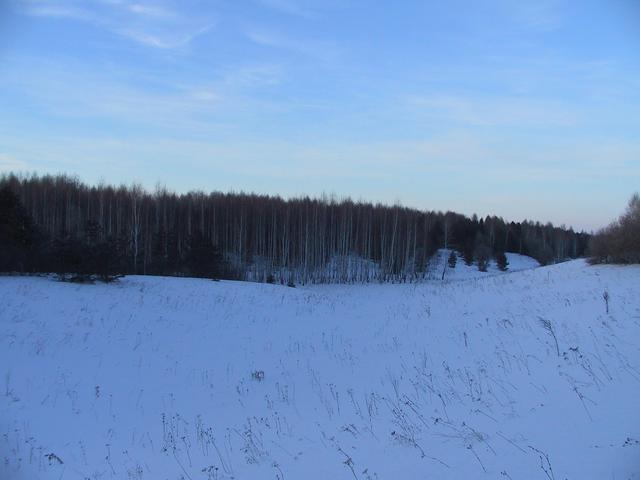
516	263
168	378
355	269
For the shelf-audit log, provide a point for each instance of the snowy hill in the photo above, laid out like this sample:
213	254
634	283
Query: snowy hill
167	378
462	271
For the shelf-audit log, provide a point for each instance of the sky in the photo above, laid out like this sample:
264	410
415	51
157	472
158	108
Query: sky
516	109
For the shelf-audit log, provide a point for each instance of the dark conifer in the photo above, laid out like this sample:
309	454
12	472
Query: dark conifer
501	261
19	239
482	252
203	259
453	258
467	252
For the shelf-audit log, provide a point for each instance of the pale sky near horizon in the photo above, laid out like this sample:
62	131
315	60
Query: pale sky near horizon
518	109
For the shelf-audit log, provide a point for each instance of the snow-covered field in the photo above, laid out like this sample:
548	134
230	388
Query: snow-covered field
167	378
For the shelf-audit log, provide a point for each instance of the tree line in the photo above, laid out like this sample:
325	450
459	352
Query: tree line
74	227
619	242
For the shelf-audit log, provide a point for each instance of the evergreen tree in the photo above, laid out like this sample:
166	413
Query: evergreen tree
467	253
19	240
107	260
453	258
87	258
501	261
482	252
68	259
483	261
203	259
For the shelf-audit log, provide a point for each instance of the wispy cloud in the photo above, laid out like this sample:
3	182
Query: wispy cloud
539	15
162	39
254	75
318	49
176	107
496	110
151	10
148	24
46	9
290	7
73	92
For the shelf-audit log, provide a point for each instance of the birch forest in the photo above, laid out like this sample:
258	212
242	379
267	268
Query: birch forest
256	237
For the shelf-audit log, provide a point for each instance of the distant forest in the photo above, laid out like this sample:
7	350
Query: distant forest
59	224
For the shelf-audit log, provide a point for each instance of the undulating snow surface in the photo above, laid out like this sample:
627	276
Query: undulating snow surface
167	378
516	263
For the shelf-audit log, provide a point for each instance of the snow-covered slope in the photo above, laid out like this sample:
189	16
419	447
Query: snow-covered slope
165	378
461	271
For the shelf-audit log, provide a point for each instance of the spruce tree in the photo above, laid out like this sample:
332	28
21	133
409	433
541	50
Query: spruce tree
482	252
467	253
19	239
483	262
501	261
69	259
453	258
108	261
203	259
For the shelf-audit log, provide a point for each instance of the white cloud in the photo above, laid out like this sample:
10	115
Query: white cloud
41	9
163	39
495	110
73	92
290	7
251	75
193	107
151	10
318	49
205	95
147	24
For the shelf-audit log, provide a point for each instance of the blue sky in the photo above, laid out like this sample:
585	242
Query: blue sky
519	109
